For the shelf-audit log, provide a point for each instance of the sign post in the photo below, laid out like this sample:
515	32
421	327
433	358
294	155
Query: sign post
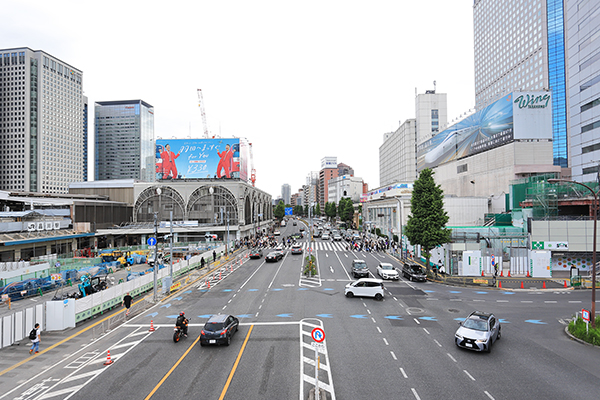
318	336
585	315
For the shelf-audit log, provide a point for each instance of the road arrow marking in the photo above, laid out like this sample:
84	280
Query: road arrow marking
276	289
253	290
358	316
459	319
244	316
154	314
324	315
535	321
166	306
428	318
177	298
396	317
285	315
503	321
205	316
187	292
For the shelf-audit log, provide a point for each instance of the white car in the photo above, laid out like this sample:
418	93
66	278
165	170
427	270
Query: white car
366	287
325	236
276	233
387	271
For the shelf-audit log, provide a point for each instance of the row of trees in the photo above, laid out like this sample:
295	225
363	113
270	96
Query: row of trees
344	209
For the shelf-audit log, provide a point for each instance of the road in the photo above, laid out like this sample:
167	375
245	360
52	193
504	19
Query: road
401	347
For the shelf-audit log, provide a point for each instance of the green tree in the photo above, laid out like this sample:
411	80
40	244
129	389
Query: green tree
330	210
426	225
279	210
317	210
305	210
346	209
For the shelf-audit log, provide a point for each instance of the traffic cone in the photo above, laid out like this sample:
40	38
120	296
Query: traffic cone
499	285
501	273
108	360
151	326
528	274
544	285
208	283
219	274
565	283
482	273
508	273
521	284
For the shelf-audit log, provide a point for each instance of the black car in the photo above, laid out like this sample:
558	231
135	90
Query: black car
256	253
219	329
360	269
414	272
274	256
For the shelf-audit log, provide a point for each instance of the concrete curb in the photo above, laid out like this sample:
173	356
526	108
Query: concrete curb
577	339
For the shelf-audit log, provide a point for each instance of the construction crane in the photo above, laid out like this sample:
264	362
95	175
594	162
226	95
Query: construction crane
201	105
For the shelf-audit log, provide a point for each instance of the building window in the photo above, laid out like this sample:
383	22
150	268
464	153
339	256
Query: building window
591	126
589	105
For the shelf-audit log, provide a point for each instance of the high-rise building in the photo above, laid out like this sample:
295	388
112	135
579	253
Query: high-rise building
431	111
85	139
329	170
41	122
125	145
519	47
397	155
583	64
286	193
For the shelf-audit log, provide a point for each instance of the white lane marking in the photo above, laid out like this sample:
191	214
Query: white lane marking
224	307
259	307
432	298
373	319
488	395
469	375
438	343
479	300
403	373
426	331
576	301
386	342
452	358
455	299
364	304
379	330
393	355
414	392
369	311
331	269
550	302
229	301
417	321
256	315
501	301
526	301
395	299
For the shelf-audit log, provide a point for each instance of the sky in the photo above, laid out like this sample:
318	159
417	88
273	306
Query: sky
300	80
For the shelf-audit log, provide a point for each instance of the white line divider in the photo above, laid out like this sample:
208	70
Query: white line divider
307	360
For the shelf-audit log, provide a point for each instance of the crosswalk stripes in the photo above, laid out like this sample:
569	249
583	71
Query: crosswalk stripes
326	246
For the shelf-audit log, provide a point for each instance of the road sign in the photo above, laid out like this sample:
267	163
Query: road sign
585	315
151	241
289	211
318	335
493	260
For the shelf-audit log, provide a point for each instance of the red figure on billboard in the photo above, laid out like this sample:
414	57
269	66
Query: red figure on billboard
225	162
168	163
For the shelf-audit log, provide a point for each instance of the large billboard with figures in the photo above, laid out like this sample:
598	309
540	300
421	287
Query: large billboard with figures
221	158
517	116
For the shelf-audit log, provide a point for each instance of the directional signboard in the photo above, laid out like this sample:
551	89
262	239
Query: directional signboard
288	211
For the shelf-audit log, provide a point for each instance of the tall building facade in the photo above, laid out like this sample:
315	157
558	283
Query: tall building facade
85	139
286	193
41	122
431	110
583	66
397	154
520	46
329	170
125	144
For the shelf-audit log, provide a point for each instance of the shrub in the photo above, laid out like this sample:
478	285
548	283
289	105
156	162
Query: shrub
310	268
577	328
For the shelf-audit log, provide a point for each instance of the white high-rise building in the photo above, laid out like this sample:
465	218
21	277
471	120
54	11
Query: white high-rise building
583	66
41	122
397	155
286	193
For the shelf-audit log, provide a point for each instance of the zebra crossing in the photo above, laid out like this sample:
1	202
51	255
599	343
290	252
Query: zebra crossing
326	246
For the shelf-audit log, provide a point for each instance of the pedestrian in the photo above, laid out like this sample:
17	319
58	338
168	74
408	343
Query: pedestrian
202	262
35	342
127	302
214	256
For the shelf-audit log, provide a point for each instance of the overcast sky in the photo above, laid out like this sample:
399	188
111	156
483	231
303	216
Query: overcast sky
301	80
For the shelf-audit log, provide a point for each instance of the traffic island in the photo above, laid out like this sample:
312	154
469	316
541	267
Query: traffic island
578	331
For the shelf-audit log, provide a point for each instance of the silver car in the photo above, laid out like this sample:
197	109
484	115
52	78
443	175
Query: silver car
478	332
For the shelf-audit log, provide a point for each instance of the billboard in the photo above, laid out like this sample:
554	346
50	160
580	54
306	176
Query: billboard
201	159
515	116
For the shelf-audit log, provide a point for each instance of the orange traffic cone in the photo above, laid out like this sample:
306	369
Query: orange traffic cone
508	273
151	326
108	360
499	284
482	273
565	283
219	274
544	285
208	284
501	272
521	284
528	274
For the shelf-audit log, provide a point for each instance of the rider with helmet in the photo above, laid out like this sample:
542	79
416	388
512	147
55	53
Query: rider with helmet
182	323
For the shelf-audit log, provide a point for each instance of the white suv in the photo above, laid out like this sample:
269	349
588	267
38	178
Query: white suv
366	287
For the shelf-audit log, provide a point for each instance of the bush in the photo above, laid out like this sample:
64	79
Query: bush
310	269
577	328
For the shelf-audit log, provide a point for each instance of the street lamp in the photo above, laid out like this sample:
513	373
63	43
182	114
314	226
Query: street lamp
594	215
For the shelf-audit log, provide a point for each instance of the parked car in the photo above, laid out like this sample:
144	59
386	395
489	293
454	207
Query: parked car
274	256
478	332
366	287
219	329
387	271
414	272
256	253
360	269
296	249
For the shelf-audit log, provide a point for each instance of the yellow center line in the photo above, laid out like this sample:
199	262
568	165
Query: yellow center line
172	369
237	361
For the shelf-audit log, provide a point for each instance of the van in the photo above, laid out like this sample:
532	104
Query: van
414	272
283	223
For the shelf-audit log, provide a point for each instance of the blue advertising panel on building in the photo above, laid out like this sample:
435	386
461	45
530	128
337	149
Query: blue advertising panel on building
200	159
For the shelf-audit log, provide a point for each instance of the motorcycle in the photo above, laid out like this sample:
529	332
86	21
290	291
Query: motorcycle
178	333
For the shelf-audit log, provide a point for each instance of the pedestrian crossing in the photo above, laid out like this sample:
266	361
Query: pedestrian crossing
326	246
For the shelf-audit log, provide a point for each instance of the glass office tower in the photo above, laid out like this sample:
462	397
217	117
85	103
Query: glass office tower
125	146
520	46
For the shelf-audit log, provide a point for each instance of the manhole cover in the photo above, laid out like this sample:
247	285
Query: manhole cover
414	310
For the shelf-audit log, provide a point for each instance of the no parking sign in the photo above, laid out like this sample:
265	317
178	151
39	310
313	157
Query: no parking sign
585	315
318	335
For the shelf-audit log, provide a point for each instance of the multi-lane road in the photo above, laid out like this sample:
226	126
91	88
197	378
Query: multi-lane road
401	347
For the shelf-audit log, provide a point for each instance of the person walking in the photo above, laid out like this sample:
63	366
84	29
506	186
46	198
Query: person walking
35	343
214	256
127	303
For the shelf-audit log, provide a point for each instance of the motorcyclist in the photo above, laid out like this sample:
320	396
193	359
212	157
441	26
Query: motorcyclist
182	323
